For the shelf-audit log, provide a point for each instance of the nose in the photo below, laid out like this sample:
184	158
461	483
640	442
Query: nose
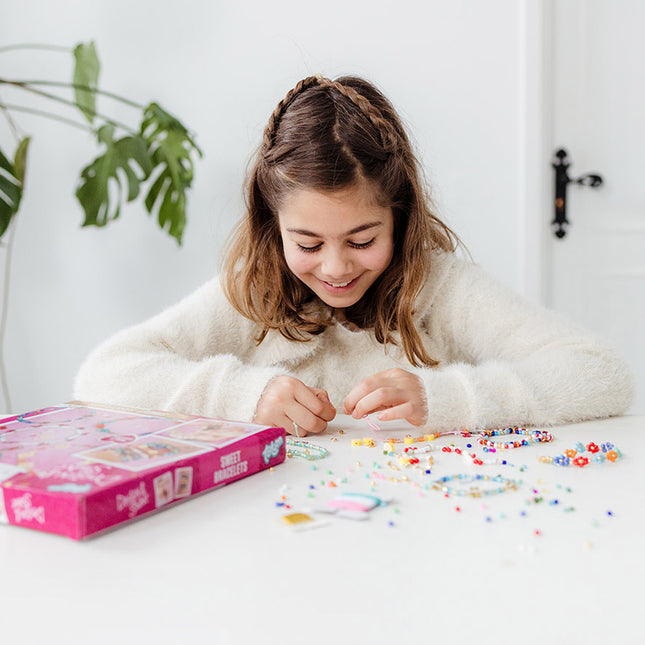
337	264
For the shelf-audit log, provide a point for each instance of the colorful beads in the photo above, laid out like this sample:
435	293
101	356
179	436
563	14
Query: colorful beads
582	455
305	450
474	490
529	437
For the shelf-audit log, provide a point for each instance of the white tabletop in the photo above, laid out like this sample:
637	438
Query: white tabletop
224	568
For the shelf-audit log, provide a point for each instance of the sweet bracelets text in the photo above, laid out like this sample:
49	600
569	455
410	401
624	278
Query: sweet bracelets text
305	450
577	457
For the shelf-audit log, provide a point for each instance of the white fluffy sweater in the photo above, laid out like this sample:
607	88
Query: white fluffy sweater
503	361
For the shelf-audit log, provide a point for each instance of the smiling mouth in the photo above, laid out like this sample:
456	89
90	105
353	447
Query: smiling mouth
338	287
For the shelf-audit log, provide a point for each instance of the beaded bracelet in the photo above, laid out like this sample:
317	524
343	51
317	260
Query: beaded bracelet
531	436
576	457
306	450
473	456
474	491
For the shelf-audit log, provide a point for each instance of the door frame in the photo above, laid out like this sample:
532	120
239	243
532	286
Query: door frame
535	142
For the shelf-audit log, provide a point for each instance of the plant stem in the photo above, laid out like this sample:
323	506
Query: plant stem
5	311
48	115
87	88
60	99
12	124
58	48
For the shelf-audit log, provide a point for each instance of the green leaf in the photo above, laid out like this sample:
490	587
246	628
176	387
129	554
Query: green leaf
86	74
170	147
11	183
20	161
127	157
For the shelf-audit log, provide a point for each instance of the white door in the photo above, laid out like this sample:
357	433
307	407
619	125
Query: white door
598	268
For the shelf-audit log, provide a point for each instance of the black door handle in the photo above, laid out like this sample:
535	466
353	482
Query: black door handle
562	180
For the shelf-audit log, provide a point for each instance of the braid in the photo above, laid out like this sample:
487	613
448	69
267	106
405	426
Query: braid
389	135
372	113
274	119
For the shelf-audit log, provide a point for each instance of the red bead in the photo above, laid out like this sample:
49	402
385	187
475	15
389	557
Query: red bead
446	449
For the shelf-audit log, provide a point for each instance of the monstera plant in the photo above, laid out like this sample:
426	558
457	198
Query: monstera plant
153	157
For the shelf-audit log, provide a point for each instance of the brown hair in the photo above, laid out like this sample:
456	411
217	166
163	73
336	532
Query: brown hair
328	135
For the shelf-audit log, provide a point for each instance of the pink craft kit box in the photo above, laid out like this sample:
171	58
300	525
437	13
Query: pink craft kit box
79	468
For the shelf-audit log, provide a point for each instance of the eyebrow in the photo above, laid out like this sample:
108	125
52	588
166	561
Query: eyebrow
358	229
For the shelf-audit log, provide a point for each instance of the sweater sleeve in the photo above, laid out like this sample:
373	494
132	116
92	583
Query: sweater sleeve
189	359
511	363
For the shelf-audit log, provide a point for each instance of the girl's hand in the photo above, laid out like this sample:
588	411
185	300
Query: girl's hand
394	393
289	403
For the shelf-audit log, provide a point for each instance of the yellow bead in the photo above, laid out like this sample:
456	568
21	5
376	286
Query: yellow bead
408	439
357	442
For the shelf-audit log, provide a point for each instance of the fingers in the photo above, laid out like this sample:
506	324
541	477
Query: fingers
394	393
414	415
311	411
289	403
328	411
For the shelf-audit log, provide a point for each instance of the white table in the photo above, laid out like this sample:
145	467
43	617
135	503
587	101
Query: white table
224	568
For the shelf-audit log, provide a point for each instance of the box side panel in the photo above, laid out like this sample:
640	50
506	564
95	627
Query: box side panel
43	511
156	489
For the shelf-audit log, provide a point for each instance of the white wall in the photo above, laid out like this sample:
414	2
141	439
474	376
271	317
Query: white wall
455	69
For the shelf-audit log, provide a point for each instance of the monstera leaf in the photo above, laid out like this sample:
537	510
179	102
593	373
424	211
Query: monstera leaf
86	75
125	159
170	148
12	178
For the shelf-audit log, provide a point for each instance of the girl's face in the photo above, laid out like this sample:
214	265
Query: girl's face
338	243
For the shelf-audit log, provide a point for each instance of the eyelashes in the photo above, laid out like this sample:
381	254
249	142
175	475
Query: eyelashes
353	245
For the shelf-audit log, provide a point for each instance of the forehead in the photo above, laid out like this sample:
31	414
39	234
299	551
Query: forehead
344	208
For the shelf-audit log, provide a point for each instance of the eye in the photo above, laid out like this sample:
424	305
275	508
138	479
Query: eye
309	249
364	245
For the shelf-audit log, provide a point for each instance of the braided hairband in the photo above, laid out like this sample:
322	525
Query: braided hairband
370	111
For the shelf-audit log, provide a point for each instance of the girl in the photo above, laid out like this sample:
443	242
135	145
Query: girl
341	287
